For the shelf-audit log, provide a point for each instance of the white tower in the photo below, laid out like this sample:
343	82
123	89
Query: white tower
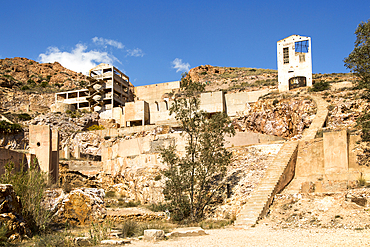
294	62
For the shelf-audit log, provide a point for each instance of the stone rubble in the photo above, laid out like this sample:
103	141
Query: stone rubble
347	210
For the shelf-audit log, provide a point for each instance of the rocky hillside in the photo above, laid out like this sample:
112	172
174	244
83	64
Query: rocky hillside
23	73
231	79
28	85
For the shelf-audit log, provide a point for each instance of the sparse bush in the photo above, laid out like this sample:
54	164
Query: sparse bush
44	84
320	86
54	239
158	177
129	204
29	185
361	181
158	207
215	224
99	231
110	194
24	116
95	127
129	228
6	127
24	88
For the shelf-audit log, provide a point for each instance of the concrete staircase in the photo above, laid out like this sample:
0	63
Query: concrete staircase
280	173
275	179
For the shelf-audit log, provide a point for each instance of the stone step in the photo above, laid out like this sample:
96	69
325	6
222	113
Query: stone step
252	210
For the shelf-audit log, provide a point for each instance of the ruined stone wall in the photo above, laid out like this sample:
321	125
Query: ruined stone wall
16	157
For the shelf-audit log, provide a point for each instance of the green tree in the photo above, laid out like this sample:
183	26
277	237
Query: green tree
358	61
195	178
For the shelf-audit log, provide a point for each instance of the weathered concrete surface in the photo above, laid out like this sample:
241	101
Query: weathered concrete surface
156	92
18	158
40	144
212	102
335	152
237	102
136	112
46	148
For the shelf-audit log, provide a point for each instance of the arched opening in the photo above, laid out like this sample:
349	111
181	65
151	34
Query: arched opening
298	81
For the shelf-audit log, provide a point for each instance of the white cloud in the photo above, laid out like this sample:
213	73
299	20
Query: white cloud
135	52
78	59
105	42
180	66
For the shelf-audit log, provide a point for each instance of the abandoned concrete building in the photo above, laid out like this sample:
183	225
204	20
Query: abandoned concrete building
294	62
108	88
112	96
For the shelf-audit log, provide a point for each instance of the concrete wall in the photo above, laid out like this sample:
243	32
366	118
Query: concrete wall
212	102
160	114
115	157
136	111
327	164
296	67
18	158
155	92
237	102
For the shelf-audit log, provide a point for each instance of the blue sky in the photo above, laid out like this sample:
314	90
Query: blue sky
156	41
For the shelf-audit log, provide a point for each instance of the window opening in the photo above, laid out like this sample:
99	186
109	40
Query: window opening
301	46
286	55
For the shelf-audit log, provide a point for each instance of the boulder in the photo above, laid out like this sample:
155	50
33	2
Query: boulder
153	235
186	232
80	206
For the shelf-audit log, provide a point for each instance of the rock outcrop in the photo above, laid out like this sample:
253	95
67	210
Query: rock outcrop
280	117
11	214
79	207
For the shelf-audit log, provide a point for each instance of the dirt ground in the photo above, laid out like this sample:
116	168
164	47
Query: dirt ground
264	235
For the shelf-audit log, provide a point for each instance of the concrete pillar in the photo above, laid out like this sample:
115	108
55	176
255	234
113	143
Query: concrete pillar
67	154
40	145
335	152
55	155
77	154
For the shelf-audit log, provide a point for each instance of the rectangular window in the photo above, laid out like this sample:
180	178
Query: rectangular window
301	46
286	55
302	57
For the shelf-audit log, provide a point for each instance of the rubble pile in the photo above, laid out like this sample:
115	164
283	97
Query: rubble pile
345	107
280	117
348	210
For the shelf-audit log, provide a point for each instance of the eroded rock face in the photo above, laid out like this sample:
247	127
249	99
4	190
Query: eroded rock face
280	117
79	207
11	214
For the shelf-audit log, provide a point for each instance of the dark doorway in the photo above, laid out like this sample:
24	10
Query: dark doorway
295	82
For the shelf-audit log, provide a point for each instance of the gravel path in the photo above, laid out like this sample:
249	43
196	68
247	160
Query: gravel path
266	236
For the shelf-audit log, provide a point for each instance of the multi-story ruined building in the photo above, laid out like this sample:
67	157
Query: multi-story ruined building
108	88
294	62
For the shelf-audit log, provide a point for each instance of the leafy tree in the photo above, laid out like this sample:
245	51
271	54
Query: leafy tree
358	61
194	179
